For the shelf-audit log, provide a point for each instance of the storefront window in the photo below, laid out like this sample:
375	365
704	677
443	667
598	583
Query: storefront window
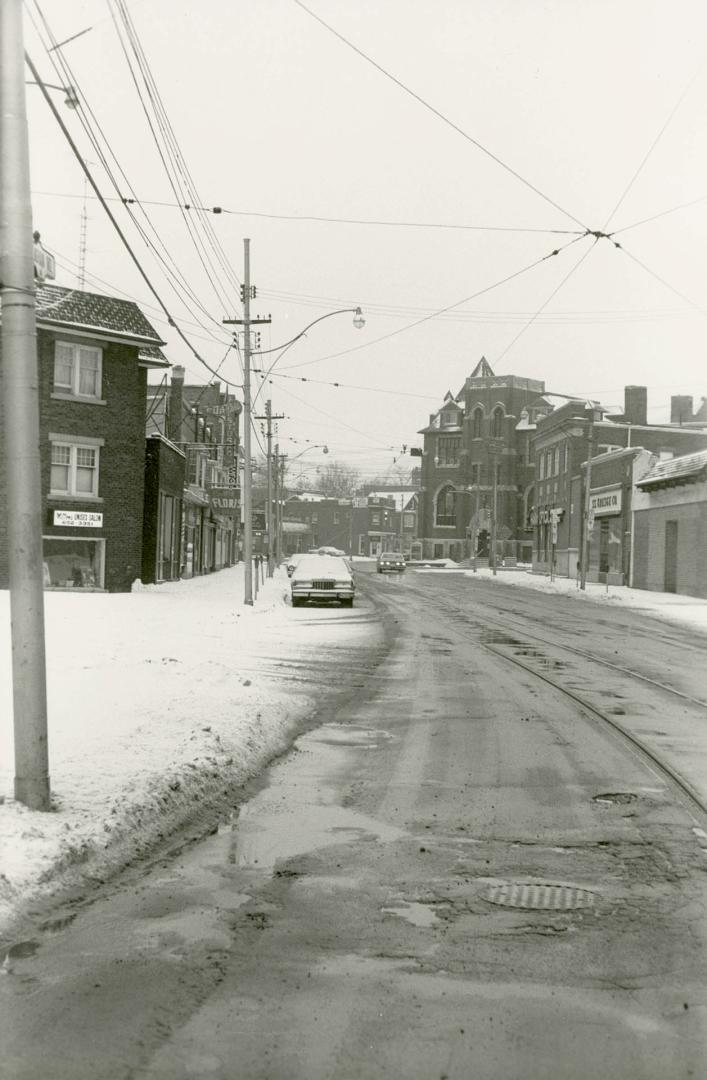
73	562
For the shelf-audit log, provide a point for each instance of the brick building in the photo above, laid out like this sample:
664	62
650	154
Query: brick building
93	354
477	452
670	526
311	520
561	449
203	422
165	467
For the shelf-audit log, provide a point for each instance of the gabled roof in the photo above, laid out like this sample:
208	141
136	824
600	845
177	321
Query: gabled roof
483	370
687	469
73	308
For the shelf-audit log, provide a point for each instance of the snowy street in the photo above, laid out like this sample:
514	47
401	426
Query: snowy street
491	823
160	703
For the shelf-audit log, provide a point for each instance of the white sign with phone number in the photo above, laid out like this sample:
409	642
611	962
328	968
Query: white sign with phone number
78	519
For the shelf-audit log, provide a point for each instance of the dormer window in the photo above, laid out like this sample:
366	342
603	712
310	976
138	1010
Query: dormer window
449	419
78	370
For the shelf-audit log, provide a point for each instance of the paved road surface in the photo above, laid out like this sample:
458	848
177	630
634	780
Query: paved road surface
462	872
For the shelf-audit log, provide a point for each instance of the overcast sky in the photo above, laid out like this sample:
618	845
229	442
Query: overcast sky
469	141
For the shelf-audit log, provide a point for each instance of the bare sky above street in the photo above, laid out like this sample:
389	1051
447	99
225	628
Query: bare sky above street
456	145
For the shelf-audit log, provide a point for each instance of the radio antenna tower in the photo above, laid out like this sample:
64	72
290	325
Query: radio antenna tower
82	237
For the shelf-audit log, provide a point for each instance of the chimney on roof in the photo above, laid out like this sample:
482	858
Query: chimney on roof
176	404
636	405
681	408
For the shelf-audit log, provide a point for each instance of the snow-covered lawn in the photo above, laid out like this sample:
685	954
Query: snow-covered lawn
160	702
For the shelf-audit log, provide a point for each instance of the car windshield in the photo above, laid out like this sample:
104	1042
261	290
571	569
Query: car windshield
314	566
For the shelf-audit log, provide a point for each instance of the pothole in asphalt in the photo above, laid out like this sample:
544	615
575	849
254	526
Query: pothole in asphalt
538	896
20	951
615	798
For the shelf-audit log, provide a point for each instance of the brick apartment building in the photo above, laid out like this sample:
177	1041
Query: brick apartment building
93	355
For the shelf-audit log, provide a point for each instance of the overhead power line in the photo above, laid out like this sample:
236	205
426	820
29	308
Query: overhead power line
347	386
329	219
554	293
653	145
436	112
662	214
67	135
174	278
662	280
440	311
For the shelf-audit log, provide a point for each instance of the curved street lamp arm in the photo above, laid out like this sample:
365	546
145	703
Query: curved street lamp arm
341	311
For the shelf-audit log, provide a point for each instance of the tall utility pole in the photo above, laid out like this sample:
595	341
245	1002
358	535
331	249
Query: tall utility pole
495	447
584	562
276	461
270	517
248	293
20	377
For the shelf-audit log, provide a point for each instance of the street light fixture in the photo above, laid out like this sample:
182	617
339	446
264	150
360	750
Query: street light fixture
71	100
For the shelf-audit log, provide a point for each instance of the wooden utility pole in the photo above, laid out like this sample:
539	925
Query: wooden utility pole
584	562
20	393
279	475
270	516
248	293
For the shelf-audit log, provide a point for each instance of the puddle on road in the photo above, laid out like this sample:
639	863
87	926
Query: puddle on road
345	735
299	812
413	912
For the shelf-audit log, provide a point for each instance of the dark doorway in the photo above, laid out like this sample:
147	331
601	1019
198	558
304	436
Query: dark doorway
671	556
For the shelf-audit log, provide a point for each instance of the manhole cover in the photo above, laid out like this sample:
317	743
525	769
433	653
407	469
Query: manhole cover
539	897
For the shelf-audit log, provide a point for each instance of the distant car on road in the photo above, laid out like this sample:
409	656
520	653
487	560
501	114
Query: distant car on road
324	579
390	562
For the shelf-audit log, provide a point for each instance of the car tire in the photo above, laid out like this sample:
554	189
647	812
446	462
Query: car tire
296	601
348	602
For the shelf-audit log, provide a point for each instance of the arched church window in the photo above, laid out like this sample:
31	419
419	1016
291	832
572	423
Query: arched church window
445	506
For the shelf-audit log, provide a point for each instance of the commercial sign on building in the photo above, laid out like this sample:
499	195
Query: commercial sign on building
605	502
225	499
78	519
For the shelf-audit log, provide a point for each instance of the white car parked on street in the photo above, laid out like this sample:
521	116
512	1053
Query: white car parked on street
324	579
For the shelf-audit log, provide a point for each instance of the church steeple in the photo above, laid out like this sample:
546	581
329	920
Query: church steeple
483	370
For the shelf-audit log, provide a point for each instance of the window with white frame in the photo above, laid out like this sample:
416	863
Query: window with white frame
78	369
74	469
